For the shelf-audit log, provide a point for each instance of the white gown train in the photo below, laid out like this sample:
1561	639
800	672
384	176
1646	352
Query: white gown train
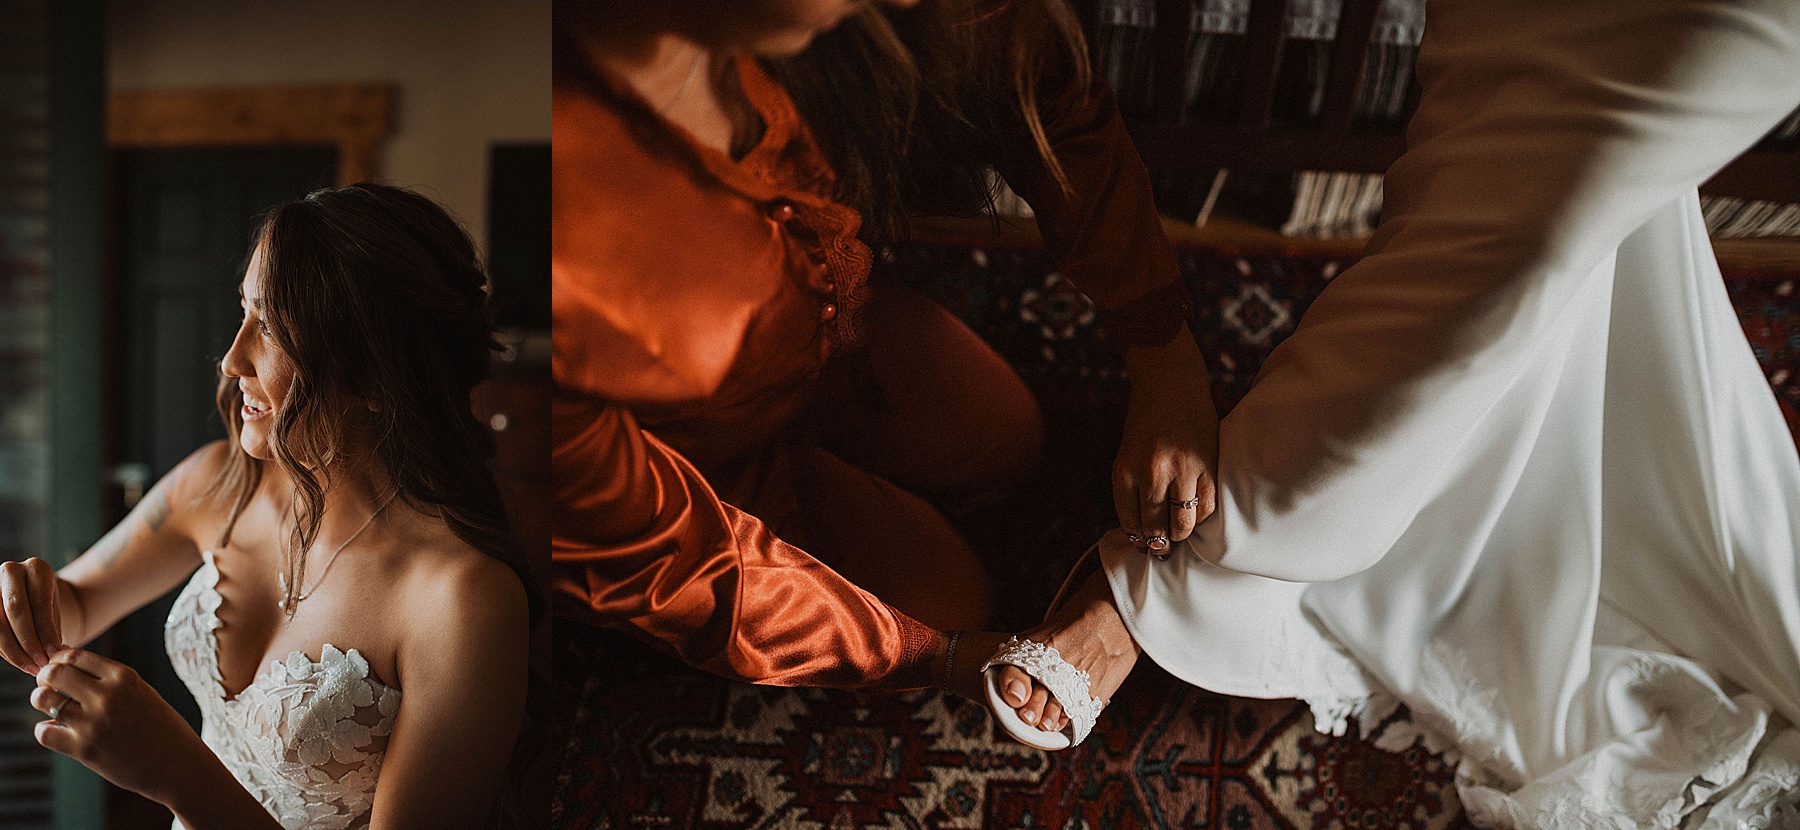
1518	468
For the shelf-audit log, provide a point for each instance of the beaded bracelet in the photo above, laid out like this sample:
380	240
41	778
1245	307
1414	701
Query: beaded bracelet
950	656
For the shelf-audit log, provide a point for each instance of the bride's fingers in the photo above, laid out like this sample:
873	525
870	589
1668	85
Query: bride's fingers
100	668
1053	719
57	737
44	698
14	654
71	681
18	638
41	578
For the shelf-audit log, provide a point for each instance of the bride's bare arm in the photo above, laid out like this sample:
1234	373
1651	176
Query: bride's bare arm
462	671
137	561
142	557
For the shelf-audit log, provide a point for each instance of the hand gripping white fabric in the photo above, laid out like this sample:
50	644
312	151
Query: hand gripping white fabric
1069	685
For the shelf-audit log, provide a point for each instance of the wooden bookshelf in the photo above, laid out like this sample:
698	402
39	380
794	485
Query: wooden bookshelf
1243	132
1781	254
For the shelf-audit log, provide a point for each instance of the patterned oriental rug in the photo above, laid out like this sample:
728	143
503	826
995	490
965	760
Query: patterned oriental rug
656	744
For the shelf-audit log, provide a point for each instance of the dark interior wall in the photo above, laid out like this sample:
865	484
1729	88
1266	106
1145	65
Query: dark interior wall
518	233
467	74
25	770
75	120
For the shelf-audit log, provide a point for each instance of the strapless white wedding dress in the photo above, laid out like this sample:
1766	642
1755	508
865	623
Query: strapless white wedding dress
1518	469
306	737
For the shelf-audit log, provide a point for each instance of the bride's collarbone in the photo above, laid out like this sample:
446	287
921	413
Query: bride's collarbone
343	611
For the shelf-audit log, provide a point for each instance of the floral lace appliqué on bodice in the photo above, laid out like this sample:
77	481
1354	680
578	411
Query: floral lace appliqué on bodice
305	737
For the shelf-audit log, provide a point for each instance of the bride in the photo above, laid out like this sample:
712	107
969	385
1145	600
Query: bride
1517	469
355	623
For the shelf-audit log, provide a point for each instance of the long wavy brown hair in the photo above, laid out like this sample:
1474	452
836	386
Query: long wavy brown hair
377	299
914	106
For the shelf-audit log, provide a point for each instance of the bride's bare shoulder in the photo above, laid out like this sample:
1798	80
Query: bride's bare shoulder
189	493
204	466
455	587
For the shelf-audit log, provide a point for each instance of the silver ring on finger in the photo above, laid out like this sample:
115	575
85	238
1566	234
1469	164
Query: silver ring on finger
1186	504
55	712
1133	538
1158	542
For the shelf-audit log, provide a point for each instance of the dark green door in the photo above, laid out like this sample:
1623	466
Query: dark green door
188	217
185	218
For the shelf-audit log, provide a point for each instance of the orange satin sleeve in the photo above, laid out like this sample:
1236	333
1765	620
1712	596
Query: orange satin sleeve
1106	235
642	543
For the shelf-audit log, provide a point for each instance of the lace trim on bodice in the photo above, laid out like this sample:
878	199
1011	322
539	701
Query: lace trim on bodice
306	737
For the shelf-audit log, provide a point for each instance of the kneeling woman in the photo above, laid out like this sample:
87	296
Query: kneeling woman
355	619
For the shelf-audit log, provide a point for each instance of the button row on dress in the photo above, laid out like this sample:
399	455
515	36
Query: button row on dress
782	211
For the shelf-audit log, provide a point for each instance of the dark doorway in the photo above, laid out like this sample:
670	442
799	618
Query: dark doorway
182	219
186	218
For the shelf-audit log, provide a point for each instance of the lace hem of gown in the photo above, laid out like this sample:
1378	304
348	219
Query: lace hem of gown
1707	760
1704	759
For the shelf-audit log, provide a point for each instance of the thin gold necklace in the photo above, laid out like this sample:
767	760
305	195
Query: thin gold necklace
288	607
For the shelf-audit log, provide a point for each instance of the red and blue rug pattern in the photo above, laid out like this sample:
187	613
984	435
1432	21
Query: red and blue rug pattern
656	744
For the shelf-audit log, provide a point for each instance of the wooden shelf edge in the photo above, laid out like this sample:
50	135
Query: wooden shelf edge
1777	254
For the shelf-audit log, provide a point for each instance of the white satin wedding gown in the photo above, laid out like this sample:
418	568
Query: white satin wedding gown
306	737
1518	469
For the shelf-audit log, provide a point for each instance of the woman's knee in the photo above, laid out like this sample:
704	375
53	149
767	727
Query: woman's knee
934	408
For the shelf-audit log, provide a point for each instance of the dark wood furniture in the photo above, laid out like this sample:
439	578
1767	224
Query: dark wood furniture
1176	140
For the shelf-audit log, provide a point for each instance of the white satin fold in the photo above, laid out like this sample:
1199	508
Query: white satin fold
1519	464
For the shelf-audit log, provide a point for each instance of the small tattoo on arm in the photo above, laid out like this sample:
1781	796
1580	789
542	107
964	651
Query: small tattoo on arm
147	518
156	509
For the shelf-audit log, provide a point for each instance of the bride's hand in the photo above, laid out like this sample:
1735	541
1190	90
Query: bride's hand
1170	449
31	633
111	721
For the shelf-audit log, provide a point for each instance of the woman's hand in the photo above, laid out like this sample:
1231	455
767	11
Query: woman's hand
111	721
31	632
1170	450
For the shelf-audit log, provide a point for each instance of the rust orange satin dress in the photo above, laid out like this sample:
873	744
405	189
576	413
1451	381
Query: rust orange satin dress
697	300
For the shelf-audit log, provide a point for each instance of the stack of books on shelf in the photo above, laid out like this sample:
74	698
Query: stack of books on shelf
1125	49
1320	204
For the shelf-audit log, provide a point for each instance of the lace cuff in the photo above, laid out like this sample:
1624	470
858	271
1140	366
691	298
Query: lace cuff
918	647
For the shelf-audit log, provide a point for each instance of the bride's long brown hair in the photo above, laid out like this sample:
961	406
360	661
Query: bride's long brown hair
377	299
